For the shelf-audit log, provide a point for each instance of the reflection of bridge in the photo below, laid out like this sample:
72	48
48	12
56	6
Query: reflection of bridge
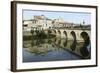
56	44
73	34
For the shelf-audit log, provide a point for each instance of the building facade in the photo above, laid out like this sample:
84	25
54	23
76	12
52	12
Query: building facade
38	23
42	23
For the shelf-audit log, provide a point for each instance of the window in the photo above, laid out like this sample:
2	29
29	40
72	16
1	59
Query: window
25	25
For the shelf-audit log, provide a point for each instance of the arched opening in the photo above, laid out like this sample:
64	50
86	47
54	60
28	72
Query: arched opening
49	31
74	35
85	36
55	31
59	32
65	33
86	48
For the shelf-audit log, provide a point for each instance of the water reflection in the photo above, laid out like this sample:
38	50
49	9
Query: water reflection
73	46
65	43
54	49
85	49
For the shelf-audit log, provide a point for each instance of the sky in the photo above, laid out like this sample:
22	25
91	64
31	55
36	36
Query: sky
73	17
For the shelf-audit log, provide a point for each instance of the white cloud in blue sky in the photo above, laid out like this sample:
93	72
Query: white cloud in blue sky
73	17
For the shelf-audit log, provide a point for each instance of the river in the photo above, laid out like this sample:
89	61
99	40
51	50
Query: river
55	49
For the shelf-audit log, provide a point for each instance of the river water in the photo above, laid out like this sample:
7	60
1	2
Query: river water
55	49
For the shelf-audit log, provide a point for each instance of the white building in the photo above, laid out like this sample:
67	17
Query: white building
37	23
27	24
42	23
60	23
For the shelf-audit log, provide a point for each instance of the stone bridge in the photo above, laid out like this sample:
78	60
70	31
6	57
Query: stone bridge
71	34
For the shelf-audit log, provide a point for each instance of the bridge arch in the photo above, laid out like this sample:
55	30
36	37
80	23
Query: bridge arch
85	36
59	32
54	31
65	33
73	35
49	31
79	35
